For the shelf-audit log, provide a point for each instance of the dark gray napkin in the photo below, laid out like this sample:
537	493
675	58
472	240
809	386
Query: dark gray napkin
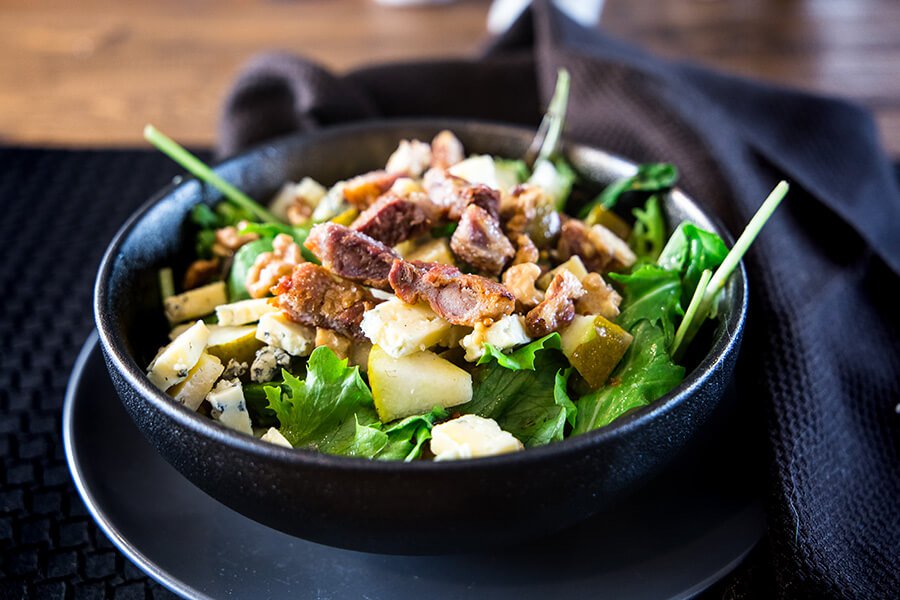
821	352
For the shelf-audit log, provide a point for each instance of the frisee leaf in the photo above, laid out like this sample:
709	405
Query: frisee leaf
644	375
311	412
407	436
522	357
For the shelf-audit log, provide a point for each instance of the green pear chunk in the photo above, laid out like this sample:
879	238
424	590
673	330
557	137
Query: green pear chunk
594	345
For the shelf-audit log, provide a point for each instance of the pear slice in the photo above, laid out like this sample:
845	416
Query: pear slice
594	345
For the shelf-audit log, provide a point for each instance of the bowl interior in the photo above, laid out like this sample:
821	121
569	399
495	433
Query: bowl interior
127	301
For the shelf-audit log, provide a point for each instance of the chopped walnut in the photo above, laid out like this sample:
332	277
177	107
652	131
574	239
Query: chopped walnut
411	158
299	212
526	251
446	150
200	272
338	343
272	266
600	298
520	279
229	239
528	209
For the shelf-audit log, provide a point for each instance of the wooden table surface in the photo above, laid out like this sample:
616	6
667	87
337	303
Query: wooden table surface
92	72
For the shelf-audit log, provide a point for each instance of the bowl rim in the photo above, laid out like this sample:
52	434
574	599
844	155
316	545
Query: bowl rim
120	359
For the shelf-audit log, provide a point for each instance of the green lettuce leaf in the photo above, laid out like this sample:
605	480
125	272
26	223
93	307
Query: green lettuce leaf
359	435
689	251
645	374
650	177
312	411
649	233
243	260
527	403
523	357
653	293
270	230
406	437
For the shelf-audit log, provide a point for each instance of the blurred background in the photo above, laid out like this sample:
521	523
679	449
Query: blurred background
92	72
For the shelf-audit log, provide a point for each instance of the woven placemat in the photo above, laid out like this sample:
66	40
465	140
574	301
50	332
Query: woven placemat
60	210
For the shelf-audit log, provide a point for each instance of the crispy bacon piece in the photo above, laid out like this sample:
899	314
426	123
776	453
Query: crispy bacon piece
558	306
453	194
459	298
479	241
352	254
446	150
363	190
394	219
599	248
315	297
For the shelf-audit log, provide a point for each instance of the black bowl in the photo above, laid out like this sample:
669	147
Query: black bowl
414	508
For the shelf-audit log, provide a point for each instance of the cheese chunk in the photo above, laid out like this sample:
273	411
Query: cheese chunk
471	436
508	332
244	311
173	364
195	303
308	191
273	436
229	407
478	168
400	329
574	265
199	382
275	329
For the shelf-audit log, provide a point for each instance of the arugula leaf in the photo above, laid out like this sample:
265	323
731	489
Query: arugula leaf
444	231
649	233
312	411
690	251
652	293
650	177
208	220
523	357
407	436
243	260
645	374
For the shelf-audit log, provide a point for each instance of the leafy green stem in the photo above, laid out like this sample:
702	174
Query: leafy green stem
201	171
693	307
546	142
692	322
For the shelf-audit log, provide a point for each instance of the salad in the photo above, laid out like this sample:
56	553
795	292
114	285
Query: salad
447	306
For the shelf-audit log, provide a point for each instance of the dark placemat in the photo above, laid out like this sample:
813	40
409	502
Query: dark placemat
60	210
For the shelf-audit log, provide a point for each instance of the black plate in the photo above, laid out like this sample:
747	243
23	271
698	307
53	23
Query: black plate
672	539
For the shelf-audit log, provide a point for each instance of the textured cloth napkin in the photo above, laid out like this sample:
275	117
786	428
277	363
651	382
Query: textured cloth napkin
821	352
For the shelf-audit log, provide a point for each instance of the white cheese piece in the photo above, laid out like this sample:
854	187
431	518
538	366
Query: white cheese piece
478	168
401	329
273	436
243	311
574	265
275	329
505	333
199	382
174	363
195	303
229	407
471	436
